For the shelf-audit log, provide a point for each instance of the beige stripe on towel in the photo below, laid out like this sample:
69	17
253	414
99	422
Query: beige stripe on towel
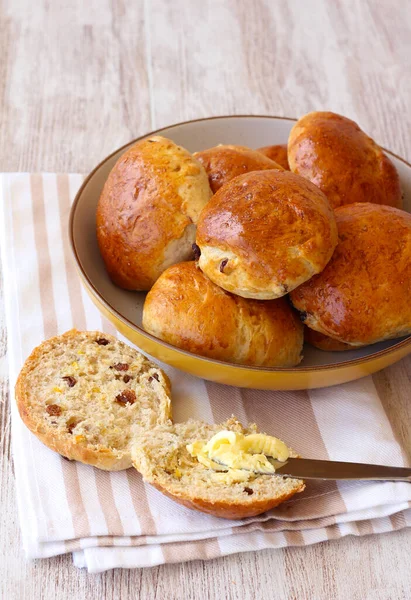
398	521
140	502
43	254
107	502
365	527
74	289
181	551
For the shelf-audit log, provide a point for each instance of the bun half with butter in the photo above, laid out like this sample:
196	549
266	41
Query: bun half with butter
148	210
265	233
344	162
363	295
187	310
223	163
184	462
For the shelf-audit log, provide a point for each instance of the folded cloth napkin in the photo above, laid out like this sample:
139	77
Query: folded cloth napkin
112	520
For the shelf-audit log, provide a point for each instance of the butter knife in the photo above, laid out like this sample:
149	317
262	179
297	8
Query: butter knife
307	468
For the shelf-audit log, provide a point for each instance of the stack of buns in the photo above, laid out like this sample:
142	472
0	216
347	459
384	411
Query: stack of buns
237	249
232	243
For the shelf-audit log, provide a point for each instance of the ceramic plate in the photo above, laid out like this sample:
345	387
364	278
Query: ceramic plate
124	308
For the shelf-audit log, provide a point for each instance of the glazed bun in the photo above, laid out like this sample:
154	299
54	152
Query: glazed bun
265	233
324	342
346	164
187	310
223	163
363	294
147	211
278	153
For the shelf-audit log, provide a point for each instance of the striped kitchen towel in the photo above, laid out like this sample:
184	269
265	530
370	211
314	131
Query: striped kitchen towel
116	520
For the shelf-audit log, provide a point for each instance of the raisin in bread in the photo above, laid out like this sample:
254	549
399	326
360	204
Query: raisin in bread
161	456
85	394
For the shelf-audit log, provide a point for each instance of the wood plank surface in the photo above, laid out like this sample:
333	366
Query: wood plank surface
77	80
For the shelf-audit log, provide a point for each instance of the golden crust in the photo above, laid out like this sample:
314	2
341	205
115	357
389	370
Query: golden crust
223	163
229	510
363	294
99	456
344	162
273	228
277	153
324	342
147	211
187	310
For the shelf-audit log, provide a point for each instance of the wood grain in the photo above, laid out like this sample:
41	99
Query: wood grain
77	80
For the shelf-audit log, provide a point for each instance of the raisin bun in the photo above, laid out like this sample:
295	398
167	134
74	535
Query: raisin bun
162	457
363	294
187	310
346	164
265	233
85	395
148	210
223	163
324	342
277	153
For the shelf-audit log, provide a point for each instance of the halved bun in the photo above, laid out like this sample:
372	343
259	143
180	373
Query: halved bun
85	394
162	458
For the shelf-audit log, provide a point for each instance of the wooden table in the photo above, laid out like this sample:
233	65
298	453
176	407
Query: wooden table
77	80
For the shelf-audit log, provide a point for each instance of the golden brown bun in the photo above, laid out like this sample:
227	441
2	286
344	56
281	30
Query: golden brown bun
346	164
265	233
324	342
162	458
147	211
363	294
85	394
277	153
223	163
186	309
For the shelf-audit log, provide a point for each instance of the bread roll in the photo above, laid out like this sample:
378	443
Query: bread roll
324	342
265	233
161	456
147	211
223	163
186	309
277	153
363	294
346	164
85	394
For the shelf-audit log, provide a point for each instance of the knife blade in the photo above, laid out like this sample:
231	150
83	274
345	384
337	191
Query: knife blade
307	468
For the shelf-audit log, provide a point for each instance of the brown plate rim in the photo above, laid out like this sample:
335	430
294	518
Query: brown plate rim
111	309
